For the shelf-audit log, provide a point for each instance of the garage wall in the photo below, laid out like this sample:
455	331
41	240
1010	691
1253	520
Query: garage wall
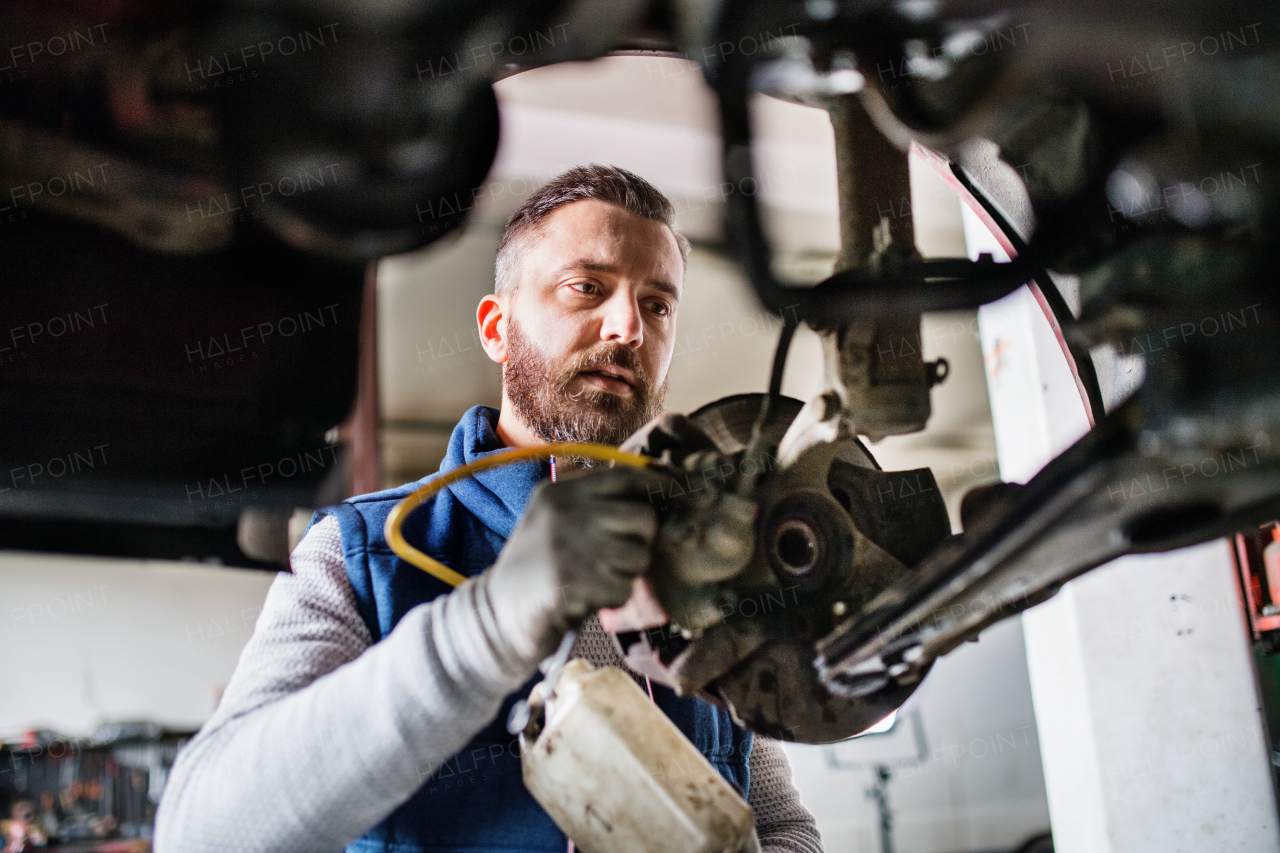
87	641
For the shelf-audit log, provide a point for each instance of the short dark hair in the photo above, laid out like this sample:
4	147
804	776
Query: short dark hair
602	183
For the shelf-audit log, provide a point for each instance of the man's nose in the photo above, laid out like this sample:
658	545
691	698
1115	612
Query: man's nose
622	322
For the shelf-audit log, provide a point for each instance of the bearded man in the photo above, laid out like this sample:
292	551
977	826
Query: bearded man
368	709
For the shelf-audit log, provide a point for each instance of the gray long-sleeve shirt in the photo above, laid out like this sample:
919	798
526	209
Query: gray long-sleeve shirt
322	733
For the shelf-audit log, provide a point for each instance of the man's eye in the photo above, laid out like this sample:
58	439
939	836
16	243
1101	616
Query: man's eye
660	308
589	287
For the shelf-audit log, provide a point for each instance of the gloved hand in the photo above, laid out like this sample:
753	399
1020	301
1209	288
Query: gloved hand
577	549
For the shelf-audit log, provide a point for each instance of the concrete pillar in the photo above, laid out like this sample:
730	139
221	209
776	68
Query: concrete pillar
1146	704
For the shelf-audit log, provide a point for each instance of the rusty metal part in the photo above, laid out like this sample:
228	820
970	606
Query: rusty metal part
835	533
876	377
872	176
709	537
777	693
728	421
875	366
825	535
877	371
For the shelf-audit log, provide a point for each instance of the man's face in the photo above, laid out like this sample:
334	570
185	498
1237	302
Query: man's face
590	328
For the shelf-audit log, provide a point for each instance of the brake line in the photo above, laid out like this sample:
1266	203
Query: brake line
395	521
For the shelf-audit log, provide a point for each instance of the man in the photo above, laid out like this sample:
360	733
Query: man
369	706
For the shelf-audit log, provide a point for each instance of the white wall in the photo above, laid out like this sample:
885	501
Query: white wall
87	641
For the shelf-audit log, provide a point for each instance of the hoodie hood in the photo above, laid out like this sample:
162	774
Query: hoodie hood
496	497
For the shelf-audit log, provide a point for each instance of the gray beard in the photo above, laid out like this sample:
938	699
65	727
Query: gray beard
538	393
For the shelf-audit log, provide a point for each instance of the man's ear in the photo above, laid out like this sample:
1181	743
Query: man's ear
491	314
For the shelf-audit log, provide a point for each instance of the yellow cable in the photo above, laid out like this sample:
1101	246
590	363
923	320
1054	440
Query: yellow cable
411	555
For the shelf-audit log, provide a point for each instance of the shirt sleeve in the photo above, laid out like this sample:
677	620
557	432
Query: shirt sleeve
320	733
783	824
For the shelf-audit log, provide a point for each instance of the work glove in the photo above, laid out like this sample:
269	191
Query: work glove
578	548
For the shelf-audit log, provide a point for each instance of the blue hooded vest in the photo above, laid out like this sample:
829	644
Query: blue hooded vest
476	802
